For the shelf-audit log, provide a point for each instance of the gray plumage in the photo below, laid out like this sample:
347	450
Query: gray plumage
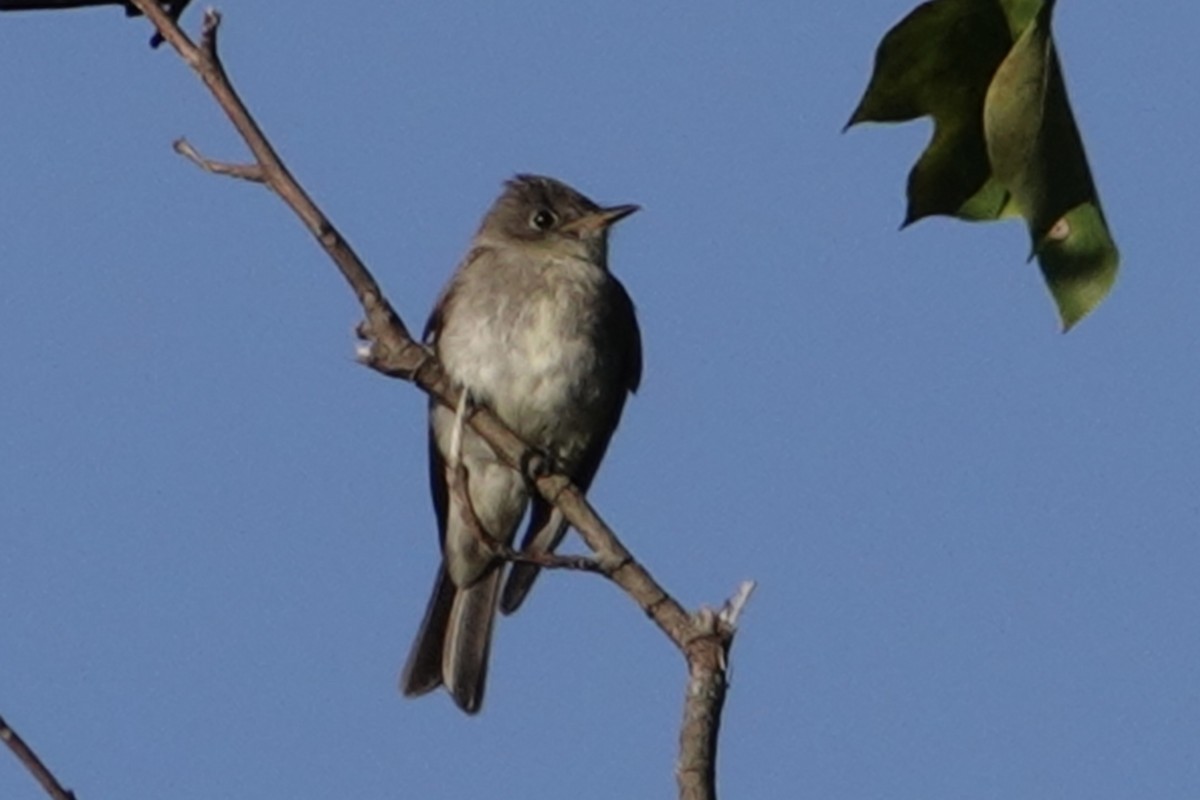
535	327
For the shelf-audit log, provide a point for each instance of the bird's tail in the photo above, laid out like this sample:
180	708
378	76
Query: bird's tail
452	644
547	526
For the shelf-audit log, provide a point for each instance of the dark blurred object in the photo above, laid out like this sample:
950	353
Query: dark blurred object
173	8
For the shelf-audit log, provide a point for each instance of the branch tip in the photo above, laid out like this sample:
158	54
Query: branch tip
732	610
209	28
362	353
246	172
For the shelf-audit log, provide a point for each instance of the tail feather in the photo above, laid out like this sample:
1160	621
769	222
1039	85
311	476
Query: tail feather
547	526
423	670
454	640
469	640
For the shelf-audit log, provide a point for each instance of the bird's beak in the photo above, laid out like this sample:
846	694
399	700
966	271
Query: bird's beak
598	221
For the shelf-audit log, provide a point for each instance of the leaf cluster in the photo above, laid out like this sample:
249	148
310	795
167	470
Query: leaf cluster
1005	142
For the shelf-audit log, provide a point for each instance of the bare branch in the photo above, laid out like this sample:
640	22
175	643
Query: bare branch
390	349
247	172
41	773
708	661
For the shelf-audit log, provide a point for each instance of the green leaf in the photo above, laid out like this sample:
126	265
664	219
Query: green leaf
1037	154
1005	141
938	61
1079	262
1021	12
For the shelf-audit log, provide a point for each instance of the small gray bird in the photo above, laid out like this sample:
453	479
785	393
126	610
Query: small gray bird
535	327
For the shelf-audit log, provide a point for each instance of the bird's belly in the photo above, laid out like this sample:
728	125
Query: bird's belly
543	381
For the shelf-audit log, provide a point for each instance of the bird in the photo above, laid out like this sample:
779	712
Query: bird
535	327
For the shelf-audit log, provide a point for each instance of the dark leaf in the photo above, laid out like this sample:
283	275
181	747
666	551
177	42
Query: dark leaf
1005	141
938	61
173	8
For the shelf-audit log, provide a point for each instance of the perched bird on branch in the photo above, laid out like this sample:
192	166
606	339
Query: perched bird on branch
535	327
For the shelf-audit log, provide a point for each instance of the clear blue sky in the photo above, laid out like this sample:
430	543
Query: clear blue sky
977	540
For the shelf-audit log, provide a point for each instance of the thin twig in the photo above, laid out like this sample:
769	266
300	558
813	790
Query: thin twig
40	772
246	172
391	350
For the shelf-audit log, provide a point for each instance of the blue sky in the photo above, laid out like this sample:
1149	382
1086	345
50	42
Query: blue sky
976	540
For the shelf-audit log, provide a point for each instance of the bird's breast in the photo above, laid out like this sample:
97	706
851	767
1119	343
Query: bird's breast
536	357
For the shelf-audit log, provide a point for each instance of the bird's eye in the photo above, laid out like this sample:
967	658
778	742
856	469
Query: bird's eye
543	219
